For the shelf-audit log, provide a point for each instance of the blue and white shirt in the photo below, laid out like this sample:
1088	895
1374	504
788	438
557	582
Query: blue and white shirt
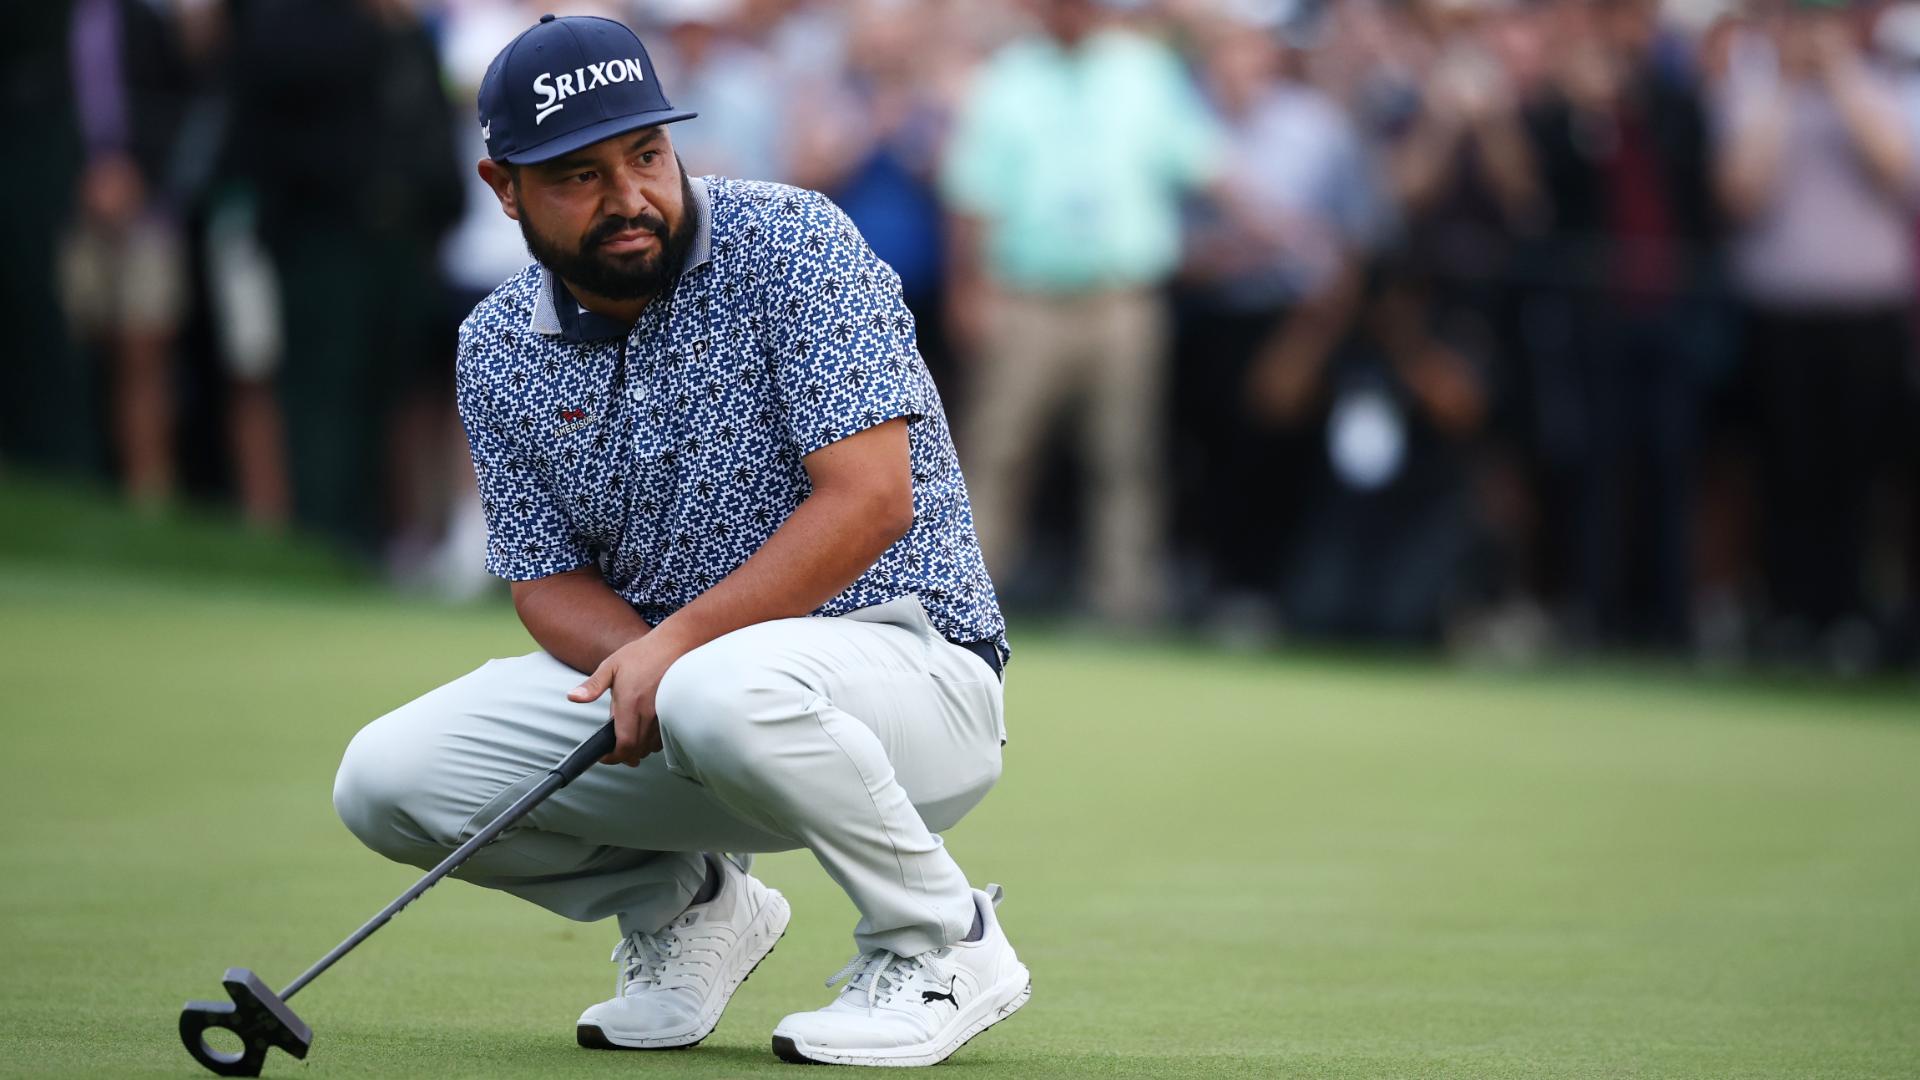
668	452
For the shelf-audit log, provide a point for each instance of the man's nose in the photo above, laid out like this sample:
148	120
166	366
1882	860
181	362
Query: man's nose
626	196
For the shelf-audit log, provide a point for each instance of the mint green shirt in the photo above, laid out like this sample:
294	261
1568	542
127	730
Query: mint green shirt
1076	161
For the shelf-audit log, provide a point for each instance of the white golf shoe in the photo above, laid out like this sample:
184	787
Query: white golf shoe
675	983
912	1010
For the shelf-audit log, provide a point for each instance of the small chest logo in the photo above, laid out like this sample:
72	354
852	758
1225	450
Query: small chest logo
571	420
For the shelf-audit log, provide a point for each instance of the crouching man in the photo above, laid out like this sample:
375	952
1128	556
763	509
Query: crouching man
720	480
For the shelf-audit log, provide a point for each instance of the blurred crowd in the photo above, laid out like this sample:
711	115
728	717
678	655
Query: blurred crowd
1508	325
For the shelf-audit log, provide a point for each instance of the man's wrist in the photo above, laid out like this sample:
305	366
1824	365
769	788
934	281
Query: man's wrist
675	635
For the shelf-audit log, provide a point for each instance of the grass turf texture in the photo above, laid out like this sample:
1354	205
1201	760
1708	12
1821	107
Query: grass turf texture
1216	866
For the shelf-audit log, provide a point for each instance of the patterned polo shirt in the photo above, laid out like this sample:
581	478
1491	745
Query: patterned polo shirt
668	452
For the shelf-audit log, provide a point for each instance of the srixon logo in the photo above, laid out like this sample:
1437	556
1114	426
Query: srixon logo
554	89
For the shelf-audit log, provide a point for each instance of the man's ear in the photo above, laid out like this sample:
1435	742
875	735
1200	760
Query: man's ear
500	178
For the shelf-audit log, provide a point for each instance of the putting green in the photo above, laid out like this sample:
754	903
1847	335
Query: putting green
1214	866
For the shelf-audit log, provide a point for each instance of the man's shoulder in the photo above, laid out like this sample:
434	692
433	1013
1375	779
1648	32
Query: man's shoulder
1021	56
503	315
1299	111
493	330
763	213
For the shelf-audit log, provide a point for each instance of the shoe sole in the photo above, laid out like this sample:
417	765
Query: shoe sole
788	1049
594	1037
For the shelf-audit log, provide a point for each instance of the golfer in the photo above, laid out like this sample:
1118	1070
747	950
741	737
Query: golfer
720	480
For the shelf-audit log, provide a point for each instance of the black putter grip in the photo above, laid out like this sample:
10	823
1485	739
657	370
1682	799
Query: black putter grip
597	746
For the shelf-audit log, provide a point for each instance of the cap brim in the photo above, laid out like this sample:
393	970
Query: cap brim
561	145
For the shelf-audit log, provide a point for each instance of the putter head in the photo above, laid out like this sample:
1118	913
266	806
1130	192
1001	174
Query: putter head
256	1014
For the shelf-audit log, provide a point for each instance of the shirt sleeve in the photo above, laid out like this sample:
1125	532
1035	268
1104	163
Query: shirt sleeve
842	338
1194	145
1354	202
528	535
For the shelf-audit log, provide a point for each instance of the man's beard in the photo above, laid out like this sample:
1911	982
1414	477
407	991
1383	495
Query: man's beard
635	276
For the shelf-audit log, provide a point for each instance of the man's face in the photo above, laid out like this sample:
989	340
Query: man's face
1068	21
612	219
1631	27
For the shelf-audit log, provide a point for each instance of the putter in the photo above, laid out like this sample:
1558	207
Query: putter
262	1019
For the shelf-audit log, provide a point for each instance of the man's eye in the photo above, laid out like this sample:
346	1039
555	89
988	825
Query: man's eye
648	157
582	177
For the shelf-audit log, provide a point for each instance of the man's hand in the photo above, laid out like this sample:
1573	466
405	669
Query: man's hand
862	502
633	673
111	192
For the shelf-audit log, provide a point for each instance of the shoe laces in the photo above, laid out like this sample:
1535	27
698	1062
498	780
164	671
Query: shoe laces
645	958
882	973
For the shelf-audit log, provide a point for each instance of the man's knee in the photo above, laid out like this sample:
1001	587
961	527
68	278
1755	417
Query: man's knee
716	702
379	787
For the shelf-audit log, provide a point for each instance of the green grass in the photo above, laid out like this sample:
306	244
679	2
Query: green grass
43	523
1215	866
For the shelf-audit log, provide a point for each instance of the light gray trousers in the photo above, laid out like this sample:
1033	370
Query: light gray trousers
859	738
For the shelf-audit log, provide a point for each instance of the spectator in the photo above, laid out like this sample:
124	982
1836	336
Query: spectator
121	268
1072	154
1439	90
244	294
806	39
1897	37
483	248
343	131
46	387
1448	122
1817	171
1394	411
1626	329
1268	268
732	83
872	144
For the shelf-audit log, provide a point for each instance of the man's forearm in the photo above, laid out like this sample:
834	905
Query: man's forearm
827	543
1875	128
577	617
860	503
1750	161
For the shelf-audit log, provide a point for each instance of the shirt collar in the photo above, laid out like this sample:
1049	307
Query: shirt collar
557	314
700	252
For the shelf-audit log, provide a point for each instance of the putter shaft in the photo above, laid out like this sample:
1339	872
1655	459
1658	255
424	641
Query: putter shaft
597	746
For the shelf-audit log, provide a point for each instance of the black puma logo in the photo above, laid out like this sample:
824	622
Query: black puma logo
929	996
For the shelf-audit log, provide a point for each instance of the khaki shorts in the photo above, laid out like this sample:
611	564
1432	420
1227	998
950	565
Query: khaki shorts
132	279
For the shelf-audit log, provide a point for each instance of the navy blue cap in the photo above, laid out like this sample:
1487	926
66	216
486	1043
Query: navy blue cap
565	83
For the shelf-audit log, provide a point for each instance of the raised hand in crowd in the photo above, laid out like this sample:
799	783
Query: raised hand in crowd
1469	116
112	195
1804	51
1865	105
